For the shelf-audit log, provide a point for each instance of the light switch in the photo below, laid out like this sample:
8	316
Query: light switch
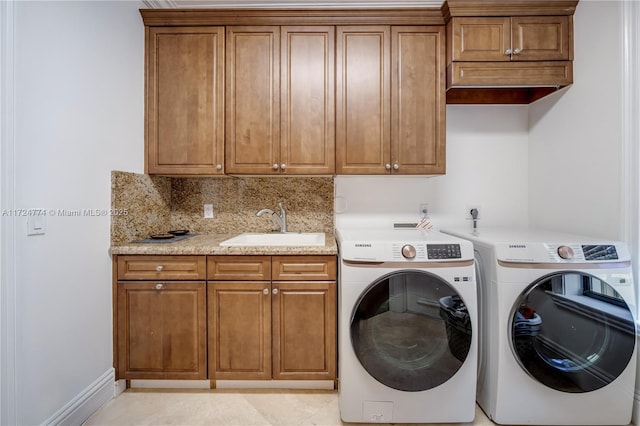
36	225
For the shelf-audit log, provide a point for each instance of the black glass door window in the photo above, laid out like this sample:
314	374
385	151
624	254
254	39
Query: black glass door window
572	332
411	331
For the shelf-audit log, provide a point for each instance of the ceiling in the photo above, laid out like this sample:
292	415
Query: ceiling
291	4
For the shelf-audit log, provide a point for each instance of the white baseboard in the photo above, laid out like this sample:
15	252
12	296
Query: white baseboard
86	402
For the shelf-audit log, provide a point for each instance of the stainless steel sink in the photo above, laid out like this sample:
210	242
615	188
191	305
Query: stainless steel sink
276	239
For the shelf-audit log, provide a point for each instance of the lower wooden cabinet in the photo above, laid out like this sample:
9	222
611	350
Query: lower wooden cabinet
236	317
273	329
161	330
303	330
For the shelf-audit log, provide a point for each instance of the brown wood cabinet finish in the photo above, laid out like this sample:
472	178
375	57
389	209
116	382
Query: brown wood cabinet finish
161	267
161	330
304	330
520	38
418	101
508	51
261	327
252	99
363	99
309	268
280	100
286	110
239	268
307	124
239	330
390	103
184	100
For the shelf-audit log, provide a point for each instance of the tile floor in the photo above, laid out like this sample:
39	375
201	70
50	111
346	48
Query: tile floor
228	407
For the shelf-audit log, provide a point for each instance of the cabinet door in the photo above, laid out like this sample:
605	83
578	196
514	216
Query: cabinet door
363	132
418	100
162	330
185	100
304	330
480	39
541	38
253	100
307	100
239	319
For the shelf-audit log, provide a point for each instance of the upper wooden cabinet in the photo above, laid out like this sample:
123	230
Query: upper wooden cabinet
259	89
390	100
184	104
524	38
280	106
508	52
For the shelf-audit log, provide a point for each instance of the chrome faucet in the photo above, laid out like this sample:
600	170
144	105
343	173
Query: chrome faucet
280	220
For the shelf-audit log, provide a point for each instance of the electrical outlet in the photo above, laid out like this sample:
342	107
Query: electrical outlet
424	210
208	211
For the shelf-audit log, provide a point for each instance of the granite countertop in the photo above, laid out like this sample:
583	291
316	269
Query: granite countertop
210	244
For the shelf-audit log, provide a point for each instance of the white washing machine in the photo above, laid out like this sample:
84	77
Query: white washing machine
557	328
407	320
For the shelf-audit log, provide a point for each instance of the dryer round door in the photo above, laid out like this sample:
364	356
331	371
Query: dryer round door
572	332
411	330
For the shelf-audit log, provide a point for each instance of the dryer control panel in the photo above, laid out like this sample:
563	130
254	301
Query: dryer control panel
561	253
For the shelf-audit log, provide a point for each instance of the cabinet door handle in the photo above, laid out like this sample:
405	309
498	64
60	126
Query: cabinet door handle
219	167
395	166
159	268
517	51
274	167
507	52
275	291
283	166
387	166
159	286
265	291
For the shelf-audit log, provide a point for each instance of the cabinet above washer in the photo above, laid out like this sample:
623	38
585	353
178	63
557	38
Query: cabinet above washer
510	52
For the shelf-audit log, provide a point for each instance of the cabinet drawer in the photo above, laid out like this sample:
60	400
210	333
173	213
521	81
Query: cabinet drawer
296	268
161	267
242	268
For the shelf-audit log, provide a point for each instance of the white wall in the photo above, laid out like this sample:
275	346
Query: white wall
78	115
487	167
575	140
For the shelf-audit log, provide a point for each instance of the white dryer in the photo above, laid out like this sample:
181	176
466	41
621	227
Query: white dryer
407	312
557	328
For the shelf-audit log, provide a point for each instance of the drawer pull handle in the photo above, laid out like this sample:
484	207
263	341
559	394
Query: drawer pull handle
275	291
265	291
159	268
159	286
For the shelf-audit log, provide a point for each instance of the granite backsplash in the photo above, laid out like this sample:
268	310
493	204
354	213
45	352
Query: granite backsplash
156	204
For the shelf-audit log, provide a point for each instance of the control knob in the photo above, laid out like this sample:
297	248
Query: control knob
408	251
565	252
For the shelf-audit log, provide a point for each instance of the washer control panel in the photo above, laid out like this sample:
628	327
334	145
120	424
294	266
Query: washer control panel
444	251
421	251
405	246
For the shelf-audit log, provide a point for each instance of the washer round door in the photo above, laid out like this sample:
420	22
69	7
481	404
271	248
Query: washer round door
411	330
572	332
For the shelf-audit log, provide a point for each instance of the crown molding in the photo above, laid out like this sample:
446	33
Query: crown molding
294	4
